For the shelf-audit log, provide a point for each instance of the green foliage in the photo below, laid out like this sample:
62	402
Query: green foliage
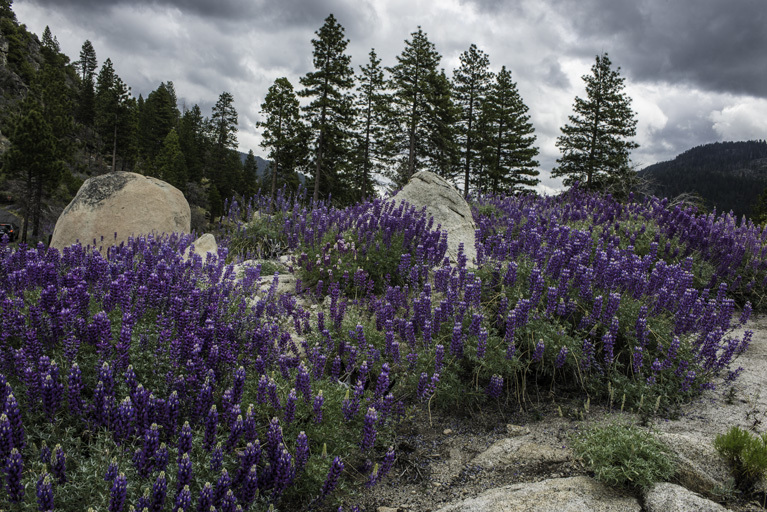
262	239
507	148
624	455
594	144
747	455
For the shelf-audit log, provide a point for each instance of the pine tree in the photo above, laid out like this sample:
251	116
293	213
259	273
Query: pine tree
32	158
171	165
87	63
250	173
158	116
594	145
507	137
471	81
225	165
112	109
284	134
49	41
410	81
329	113
193	142
442	117
373	126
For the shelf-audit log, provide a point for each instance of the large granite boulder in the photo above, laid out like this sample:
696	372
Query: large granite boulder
447	206
124	203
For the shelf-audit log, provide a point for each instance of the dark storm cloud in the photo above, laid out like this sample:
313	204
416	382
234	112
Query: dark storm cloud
269	15
711	44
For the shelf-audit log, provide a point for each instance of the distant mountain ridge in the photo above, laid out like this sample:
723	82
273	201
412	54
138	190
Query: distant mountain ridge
729	176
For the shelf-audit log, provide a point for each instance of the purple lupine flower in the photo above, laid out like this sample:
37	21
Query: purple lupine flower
249	487
561	357
112	470
216	458
150	445
382	385
223	485
274	439
118	493
184	474
229	503
6	437
159	493
319	400
456	342
14	469
184	440
173	410
235	432
183	500
303	382
205	399
284	473
14	417
211	427
538	353
249	456
302	450
439	354
51	396
369	429
290	407
59	465
637	359
205	500
74	388
336	468
388	463
238	384
688	380
161	457
45	453
273	398
44	493
249	425
608	344
143	503
495	387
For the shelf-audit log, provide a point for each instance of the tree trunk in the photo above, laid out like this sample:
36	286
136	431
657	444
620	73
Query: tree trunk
114	148
468	147
366	163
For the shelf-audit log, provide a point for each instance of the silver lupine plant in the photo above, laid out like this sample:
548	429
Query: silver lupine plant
187	387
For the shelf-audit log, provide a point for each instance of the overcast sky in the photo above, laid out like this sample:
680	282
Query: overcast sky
696	70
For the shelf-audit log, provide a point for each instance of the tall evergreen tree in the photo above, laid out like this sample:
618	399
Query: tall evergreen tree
193	142
158	116
170	164
410	81
594	144
88	63
507	138
284	135
250	173
442	117
471	81
32	158
330	111
112	112
373	127
225	166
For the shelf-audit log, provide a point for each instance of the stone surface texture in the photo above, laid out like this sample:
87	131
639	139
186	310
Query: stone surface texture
574	494
449	209
667	497
125	203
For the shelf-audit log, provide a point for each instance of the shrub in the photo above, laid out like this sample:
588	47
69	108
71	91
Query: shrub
747	455
624	455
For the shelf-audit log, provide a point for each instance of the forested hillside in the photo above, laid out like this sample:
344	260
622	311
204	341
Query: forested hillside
727	175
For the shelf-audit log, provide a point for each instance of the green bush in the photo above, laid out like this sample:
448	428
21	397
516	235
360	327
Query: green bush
624	455
747	455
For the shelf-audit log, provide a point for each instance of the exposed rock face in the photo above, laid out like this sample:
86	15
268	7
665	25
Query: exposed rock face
202	246
574	494
447	206
519	450
666	497
124	203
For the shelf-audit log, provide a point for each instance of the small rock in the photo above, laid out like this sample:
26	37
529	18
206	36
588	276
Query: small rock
517	430
447	431
436	484
667	497
387	509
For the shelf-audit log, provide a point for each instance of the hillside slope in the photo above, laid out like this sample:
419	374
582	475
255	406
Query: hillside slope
727	175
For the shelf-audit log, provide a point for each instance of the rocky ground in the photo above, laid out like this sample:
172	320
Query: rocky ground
509	460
